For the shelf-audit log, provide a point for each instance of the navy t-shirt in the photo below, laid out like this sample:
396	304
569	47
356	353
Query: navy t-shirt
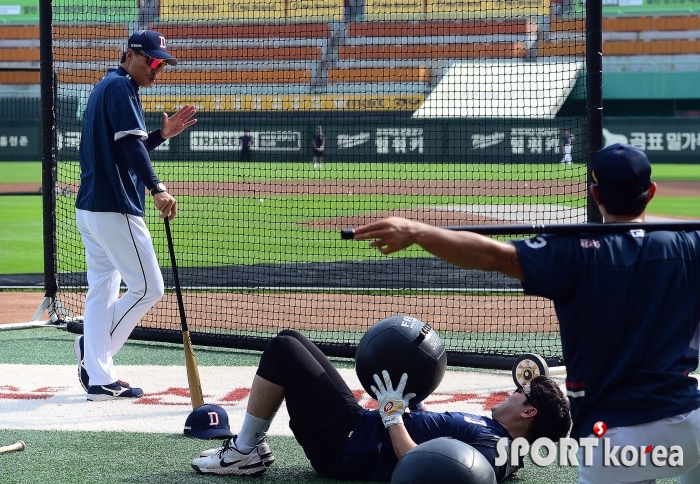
107	181
628	306
369	454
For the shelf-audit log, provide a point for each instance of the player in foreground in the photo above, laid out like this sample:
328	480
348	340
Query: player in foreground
115	173
344	441
628	309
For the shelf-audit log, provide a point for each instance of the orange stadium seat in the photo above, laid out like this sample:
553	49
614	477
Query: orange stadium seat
19	32
285	76
193	53
655	47
570	25
433	51
440	28
19	77
645	24
562	48
416	74
91	32
14	54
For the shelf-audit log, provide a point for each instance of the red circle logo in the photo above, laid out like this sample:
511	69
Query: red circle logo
388	406
599	429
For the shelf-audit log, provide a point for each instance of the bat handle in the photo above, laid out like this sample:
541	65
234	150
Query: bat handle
16	447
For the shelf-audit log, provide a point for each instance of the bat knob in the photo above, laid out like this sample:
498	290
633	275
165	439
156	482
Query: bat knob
347	234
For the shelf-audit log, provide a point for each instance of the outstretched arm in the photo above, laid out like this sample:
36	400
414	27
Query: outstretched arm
464	249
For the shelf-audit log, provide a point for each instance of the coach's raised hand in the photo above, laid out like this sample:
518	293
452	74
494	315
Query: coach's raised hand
180	121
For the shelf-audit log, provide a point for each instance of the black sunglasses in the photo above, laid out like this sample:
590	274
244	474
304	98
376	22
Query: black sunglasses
521	389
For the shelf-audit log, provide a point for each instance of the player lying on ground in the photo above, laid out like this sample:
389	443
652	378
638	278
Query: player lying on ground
343	440
628	311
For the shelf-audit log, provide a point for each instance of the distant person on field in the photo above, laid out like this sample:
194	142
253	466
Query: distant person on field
116	171
567	141
246	143
319	144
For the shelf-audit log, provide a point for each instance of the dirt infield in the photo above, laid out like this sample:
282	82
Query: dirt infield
310	310
371	187
321	311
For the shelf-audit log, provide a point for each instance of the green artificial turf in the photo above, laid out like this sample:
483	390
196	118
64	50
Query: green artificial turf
246	230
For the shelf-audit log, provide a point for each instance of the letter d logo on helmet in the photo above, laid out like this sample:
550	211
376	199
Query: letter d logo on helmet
208	422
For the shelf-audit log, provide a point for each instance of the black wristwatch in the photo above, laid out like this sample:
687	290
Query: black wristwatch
159	189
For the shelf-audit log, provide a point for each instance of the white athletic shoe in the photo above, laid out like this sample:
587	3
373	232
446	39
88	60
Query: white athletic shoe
264	451
230	461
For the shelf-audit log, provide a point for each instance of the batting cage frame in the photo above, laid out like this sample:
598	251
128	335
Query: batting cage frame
242	280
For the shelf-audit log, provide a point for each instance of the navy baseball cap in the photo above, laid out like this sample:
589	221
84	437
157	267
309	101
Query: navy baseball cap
622	169
208	422
152	44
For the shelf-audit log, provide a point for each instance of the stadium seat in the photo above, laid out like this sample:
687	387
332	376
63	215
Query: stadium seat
434	51
91	32
379	75
19	32
200	77
245	31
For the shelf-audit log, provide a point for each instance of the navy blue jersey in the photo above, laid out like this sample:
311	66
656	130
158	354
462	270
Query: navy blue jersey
628	311
107	181
245	142
319	138
369	454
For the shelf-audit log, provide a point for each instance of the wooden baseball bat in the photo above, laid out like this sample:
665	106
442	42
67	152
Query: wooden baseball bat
16	447
190	361
594	228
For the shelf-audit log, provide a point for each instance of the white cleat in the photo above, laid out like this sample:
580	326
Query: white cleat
263	447
229	461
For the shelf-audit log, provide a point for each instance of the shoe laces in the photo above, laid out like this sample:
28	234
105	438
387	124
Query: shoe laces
123	384
227	445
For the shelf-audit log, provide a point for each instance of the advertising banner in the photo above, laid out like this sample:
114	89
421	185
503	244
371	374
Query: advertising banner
665	140
109	11
379	137
648	7
20	141
286	102
19	11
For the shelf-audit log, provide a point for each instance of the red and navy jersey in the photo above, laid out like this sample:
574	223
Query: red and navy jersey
108	183
628	306
369	454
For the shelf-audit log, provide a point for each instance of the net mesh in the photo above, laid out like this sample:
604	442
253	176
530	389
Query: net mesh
453	113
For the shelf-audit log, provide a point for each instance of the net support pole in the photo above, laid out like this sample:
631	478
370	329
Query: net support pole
594	95
48	153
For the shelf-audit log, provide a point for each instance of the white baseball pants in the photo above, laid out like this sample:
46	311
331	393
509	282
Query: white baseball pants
683	430
117	247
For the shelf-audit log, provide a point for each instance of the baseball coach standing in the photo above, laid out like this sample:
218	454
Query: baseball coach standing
116	171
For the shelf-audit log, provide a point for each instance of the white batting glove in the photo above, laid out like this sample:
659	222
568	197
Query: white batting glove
392	403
